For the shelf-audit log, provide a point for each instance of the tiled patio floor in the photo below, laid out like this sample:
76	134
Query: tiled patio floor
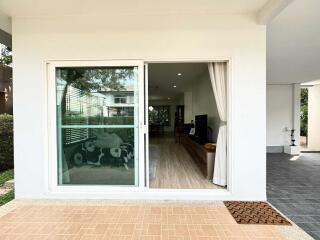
130	220
293	186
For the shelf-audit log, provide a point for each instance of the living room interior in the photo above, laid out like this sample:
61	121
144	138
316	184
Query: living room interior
183	126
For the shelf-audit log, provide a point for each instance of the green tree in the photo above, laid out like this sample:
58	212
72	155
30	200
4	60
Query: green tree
304	112
93	80
6	141
5	56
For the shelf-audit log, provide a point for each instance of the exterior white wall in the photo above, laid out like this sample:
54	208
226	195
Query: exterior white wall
162	36
314	117
283	111
279	114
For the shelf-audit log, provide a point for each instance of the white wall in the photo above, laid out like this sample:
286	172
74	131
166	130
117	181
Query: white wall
314	117
188	106
283	111
180	99
204	102
279	114
163	36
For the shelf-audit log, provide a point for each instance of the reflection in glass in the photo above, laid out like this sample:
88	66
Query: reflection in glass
97	125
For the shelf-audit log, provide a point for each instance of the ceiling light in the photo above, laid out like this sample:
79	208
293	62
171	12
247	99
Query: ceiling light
174	86
179	74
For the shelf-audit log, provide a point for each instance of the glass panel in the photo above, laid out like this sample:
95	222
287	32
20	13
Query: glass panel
97	117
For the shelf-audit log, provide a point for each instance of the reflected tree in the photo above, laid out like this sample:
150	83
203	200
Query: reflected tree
5	55
94	80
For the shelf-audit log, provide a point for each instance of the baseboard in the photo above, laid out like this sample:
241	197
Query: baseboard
274	149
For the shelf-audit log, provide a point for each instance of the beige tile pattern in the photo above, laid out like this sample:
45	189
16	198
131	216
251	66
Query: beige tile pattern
129	222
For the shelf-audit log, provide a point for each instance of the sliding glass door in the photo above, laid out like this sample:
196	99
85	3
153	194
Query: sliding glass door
98	127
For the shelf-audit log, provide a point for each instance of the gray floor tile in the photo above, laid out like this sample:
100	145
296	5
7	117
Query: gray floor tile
315	234
293	187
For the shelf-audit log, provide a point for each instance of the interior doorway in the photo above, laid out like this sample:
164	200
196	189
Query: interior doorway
183	123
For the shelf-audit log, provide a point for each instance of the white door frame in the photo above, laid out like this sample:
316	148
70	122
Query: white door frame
53	186
142	191
229	125
146	122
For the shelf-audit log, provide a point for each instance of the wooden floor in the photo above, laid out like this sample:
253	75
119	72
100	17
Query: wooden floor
175	167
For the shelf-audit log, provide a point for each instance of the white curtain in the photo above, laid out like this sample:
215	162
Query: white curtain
218	75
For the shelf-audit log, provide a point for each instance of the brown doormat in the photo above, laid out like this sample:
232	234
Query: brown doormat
255	213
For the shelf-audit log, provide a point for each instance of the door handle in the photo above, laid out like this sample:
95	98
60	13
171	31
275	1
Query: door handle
143	127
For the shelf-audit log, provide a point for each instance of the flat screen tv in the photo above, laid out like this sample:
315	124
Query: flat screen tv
201	125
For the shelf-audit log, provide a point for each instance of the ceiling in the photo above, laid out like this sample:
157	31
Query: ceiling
163	76
293	44
92	7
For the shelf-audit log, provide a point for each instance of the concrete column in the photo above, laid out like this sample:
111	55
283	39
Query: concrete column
296	95
314	118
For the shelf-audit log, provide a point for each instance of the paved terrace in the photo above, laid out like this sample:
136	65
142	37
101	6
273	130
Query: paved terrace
130	220
293	186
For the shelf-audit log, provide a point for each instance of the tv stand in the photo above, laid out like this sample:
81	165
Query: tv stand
203	157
